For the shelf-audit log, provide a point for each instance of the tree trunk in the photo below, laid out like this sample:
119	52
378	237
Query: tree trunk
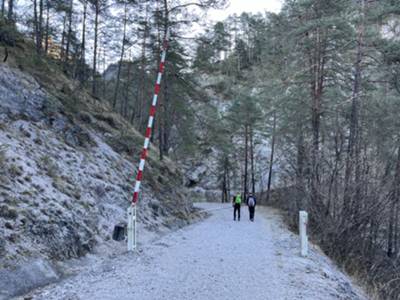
394	211
353	160
141	85
301	199
390	247
10	14
82	61
127	84
163	106
69	35
396	229
3	8
228	182
63	37
120	60
96	36
224	189
317	78
271	160
40	25
46	45
104	82
166	114
160	129
253	182
37	23
36	26
155	126
246	157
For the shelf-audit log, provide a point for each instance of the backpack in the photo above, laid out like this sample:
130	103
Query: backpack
238	200
251	202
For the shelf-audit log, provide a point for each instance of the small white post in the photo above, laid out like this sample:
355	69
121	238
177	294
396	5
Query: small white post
303	220
131	228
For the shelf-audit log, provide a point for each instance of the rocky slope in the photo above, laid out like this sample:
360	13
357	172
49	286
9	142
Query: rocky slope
67	168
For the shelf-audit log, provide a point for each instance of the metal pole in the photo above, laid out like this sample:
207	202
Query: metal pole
303	219
131	228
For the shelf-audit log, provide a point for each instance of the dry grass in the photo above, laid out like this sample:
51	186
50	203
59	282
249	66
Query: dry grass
3	157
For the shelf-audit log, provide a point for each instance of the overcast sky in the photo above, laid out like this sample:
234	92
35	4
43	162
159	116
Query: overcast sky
239	6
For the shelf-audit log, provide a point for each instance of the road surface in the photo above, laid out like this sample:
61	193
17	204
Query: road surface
216	258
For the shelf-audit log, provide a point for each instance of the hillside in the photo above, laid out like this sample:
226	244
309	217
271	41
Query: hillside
67	170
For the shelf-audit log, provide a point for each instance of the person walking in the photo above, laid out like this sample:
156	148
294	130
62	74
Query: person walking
237	201
251	203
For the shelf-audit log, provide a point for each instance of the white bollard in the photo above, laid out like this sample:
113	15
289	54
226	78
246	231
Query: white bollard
303	220
131	228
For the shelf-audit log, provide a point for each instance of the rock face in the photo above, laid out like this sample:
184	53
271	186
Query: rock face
203	173
66	179
20	95
202	177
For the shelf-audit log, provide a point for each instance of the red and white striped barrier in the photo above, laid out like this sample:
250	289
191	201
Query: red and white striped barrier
139	176
151	120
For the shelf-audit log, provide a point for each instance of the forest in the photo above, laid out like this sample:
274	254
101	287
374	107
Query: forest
318	82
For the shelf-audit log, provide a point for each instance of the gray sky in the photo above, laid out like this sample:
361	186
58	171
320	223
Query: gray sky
239	6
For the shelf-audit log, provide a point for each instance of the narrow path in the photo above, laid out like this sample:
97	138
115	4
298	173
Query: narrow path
214	259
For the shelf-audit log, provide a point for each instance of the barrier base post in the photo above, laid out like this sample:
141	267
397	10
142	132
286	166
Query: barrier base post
131	230
303	219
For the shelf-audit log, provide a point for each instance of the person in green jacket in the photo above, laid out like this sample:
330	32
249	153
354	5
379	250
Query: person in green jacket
237	201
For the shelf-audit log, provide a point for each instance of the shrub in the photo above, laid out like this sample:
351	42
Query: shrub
7	212
52	170
46	163
2	246
9	35
15	171
3	156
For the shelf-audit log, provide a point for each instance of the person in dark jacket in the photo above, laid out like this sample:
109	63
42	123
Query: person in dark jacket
251	203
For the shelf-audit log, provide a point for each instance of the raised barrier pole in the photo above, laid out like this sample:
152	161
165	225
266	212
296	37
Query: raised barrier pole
132	209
